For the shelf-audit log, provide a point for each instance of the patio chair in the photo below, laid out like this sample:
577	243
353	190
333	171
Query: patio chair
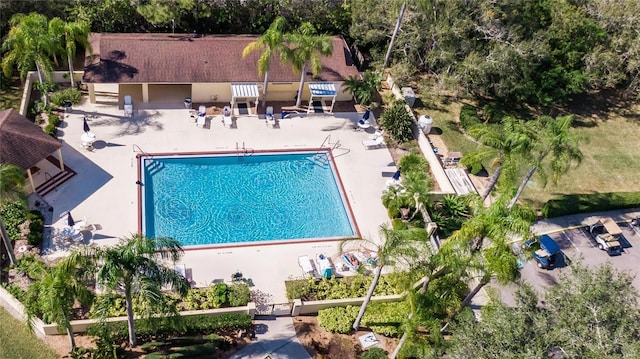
202	116
308	269
128	106
271	120
375	143
227	118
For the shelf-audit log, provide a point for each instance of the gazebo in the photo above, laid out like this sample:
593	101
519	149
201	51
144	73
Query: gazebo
24	144
246	92
320	91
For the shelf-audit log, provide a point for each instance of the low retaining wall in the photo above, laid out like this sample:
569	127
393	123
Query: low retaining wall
313	306
32	77
427	149
16	309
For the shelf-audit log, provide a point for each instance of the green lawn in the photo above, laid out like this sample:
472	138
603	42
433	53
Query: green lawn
11	95
17	342
611	149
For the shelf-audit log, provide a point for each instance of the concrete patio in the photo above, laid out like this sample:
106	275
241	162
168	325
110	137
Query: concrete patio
104	190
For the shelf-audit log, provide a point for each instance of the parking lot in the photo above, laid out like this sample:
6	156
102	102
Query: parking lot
577	245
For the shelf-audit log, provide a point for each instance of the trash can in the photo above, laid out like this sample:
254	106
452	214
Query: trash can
187	103
425	123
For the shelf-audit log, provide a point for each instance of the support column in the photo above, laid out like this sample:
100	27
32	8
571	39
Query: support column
145	93
33	185
60	159
92	93
333	102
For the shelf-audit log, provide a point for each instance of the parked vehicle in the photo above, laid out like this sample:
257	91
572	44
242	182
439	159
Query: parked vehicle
547	252
606	233
636	222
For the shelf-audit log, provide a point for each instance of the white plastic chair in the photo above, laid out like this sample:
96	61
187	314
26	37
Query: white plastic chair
227	118
128	106
271	121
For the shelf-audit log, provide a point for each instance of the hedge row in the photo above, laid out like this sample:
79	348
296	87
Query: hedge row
382	318
590	202
348	287
166	327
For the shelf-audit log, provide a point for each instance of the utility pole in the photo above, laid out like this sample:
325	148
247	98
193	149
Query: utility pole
393	37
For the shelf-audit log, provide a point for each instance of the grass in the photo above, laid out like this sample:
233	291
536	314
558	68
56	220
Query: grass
11	95
18	342
611	147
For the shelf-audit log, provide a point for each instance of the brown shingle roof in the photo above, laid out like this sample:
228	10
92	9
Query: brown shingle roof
167	58
23	143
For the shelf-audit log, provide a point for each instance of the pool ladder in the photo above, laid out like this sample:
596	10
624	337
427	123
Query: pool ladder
244	151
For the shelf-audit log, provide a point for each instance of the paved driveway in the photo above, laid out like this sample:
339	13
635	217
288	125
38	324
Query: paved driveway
577	245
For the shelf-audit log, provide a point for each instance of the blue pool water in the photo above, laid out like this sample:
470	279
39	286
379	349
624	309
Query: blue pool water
235	199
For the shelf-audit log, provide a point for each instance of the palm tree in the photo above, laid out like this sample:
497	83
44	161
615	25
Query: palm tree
484	239
398	246
11	182
270	43
307	48
556	142
511	139
135	267
32	42
73	32
54	295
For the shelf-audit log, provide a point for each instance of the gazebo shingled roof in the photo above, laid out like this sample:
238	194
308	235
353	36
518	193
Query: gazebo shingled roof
22	143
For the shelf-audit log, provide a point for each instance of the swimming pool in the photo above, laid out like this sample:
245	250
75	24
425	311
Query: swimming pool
214	199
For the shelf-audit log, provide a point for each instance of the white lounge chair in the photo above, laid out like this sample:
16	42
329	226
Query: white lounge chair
202	116
271	120
227	118
128	106
375	143
307	266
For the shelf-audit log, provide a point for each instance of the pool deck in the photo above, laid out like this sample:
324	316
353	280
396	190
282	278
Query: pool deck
105	191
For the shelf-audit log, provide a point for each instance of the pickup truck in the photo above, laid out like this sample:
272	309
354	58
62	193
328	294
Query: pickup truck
606	233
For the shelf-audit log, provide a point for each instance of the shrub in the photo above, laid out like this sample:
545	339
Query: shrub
239	295
13	214
386	318
397	122
161	327
338	319
51	130
590	202
414	163
374	353
71	94
469	117
15	290
349	287
364	90
54	119
36	227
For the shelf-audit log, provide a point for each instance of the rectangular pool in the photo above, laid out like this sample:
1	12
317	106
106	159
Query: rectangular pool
233	199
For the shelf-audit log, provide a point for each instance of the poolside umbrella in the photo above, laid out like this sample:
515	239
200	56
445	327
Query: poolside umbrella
366	115
396	176
70	221
86	125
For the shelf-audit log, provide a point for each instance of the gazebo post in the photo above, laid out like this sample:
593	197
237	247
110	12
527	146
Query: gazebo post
60	160
333	102
33	186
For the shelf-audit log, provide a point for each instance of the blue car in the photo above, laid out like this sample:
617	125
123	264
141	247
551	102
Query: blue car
548	253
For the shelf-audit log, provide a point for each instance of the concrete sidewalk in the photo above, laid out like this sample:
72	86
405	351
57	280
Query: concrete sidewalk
274	339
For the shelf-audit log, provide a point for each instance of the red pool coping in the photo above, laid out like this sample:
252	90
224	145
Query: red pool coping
341	190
